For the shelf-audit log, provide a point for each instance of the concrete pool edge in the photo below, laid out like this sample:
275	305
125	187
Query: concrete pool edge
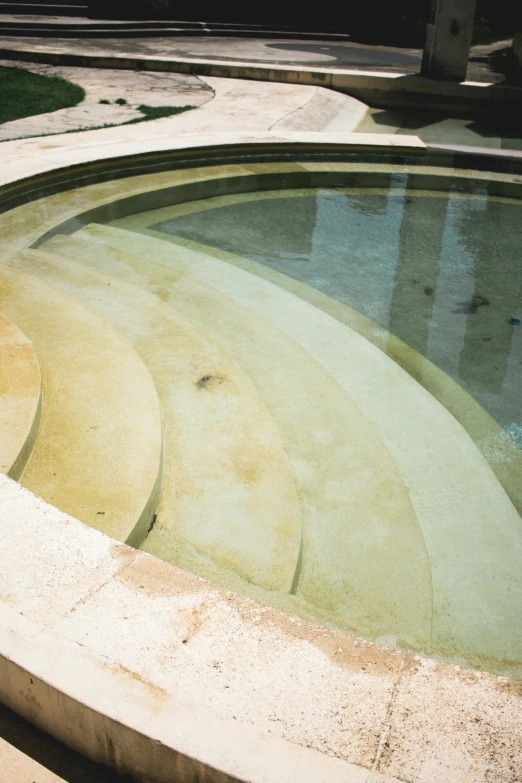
104	707
62	683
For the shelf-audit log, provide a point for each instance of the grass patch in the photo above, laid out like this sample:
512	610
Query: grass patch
157	112
148	112
25	94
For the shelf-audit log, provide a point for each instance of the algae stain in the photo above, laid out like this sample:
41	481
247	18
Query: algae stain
210	381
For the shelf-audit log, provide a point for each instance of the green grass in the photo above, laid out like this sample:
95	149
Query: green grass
24	94
157	112
149	113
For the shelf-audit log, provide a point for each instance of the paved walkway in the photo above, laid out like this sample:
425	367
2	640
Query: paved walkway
228	104
134	89
334	56
224	105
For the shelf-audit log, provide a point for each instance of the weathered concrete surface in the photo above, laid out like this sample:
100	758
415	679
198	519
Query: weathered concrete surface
148	662
325	54
149	89
233	103
345	67
283	52
28	157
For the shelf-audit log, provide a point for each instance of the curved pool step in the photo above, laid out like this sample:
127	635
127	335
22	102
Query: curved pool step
20	398
471	529
98	453
228	493
364	562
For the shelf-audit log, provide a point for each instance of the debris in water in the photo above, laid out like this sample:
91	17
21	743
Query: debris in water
471	305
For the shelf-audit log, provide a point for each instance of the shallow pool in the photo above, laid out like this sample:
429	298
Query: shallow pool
336	358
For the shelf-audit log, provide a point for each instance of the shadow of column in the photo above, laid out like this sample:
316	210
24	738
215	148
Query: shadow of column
483	363
420	244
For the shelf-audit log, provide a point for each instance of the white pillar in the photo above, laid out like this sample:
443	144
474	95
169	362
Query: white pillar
448	39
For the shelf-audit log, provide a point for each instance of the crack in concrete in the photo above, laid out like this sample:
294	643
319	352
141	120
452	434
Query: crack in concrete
387	725
93	591
294	111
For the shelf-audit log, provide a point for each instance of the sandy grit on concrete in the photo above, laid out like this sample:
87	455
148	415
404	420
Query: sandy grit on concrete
205	671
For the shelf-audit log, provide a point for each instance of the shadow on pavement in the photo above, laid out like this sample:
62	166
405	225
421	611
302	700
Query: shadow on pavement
56	757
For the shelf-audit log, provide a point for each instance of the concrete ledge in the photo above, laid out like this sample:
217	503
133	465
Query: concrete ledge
376	89
157	673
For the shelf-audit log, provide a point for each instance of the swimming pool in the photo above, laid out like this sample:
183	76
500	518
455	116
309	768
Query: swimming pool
336	358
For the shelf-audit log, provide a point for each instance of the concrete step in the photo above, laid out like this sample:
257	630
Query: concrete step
470	528
336	459
228	491
98	453
20	398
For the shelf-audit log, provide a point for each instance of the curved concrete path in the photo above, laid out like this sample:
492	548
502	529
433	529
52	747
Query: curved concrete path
302	65
216	104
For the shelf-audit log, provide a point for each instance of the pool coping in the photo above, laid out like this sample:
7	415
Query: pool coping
394	713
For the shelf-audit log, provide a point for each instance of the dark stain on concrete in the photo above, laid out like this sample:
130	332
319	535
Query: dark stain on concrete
210	381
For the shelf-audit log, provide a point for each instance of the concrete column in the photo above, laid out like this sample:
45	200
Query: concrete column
448	39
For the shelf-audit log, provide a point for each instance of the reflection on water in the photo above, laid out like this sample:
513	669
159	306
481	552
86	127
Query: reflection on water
442	271
488	338
421	236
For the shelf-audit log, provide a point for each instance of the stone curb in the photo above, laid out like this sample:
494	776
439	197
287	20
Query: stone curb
376	89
